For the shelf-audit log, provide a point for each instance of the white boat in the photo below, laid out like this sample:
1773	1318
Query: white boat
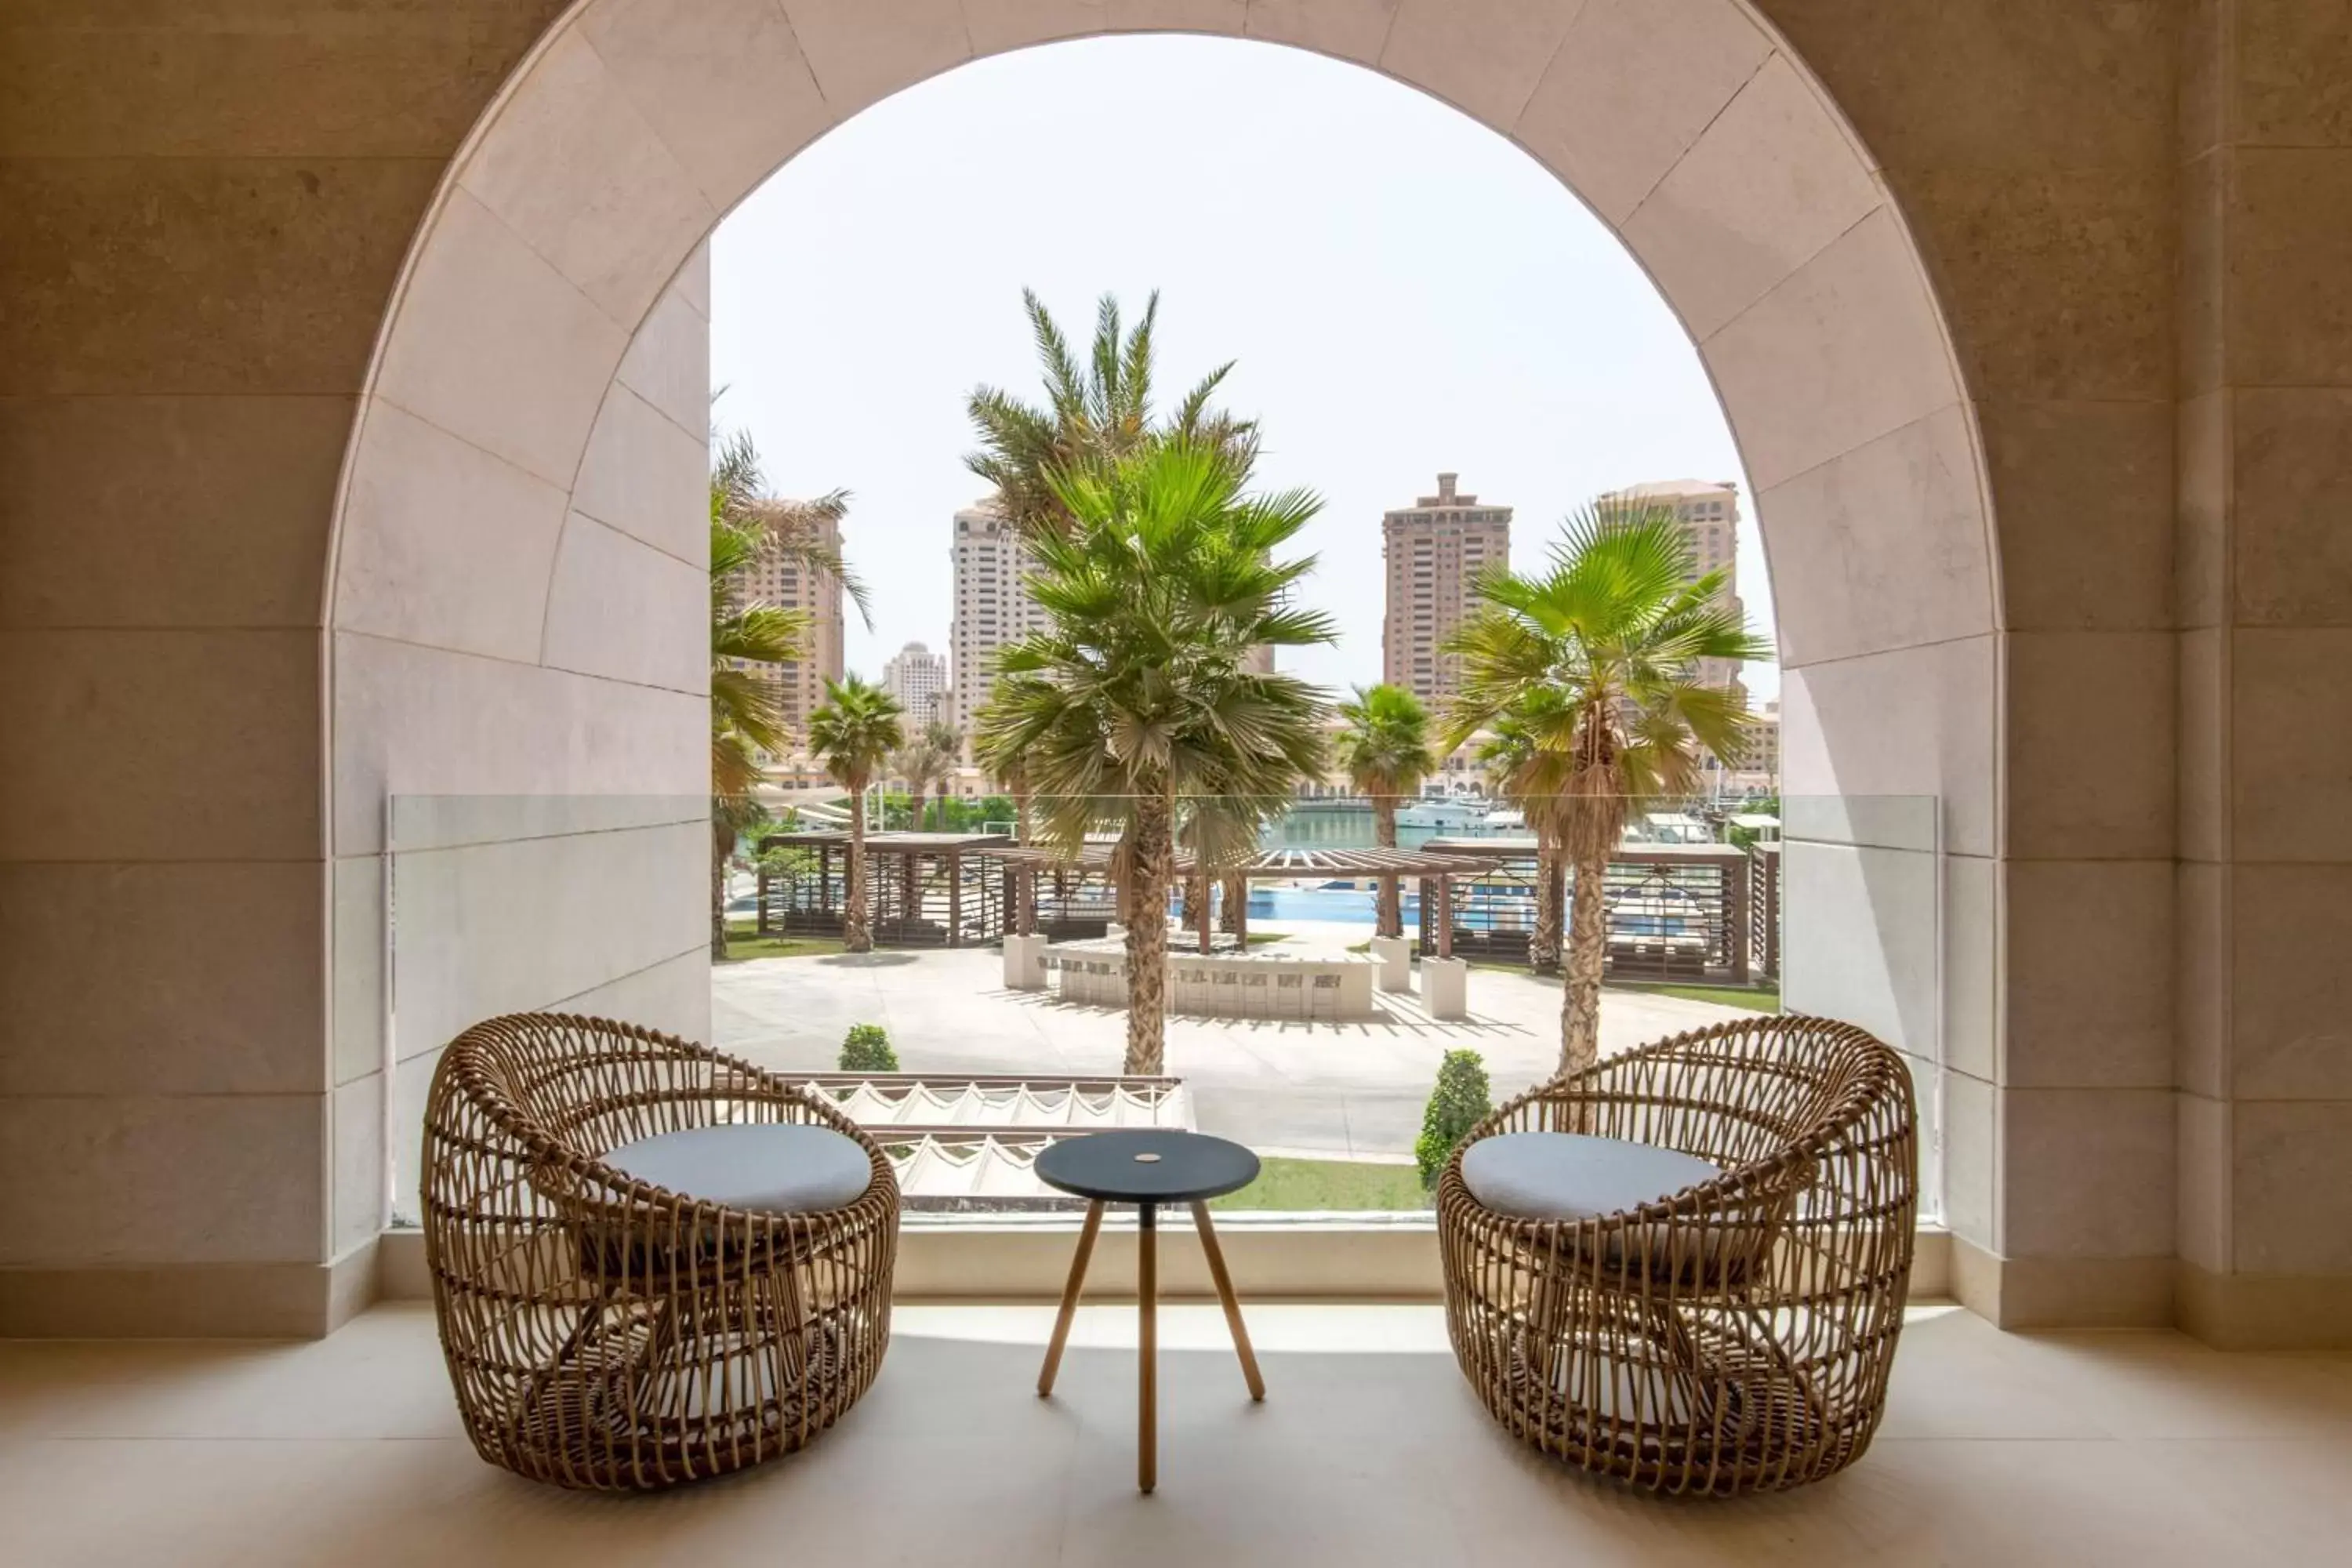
1443	816
1506	819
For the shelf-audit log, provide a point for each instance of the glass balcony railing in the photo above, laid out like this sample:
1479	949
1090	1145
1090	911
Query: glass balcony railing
990	1015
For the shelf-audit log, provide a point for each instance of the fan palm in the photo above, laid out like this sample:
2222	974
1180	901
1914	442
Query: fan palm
1616	629
1138	694
854	731
1384	751
1097	410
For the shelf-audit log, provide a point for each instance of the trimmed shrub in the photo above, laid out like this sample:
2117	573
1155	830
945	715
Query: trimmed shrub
1460	1099
866	1048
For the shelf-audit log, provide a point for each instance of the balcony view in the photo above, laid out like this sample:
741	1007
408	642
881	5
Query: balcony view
1085	782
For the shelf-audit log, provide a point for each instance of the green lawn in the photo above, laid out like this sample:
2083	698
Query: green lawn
1302	1186
741	945
1754	999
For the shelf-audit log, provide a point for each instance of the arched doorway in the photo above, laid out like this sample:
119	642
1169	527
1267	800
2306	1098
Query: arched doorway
516	593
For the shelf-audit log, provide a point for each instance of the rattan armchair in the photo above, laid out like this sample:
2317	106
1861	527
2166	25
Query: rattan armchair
602	1332
1735	1336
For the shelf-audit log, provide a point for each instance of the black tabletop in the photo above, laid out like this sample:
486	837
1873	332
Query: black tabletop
1188	1166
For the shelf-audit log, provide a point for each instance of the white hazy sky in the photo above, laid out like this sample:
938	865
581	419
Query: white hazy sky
1404	291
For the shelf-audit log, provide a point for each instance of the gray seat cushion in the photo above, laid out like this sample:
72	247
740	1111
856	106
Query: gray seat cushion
767	1167
1570	1177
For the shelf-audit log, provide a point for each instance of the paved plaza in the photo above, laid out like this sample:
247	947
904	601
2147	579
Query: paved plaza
1352	1088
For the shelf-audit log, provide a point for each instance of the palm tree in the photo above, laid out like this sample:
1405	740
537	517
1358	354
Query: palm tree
1138	694
1096	411
1011	771
1616	628
854	730
1519	770
748	639
1384	750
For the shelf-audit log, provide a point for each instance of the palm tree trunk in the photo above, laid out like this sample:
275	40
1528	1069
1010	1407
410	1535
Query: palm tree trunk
856	931
1391	922
914	817
1580	1012
722	849
1229	918
1146	939
1543	945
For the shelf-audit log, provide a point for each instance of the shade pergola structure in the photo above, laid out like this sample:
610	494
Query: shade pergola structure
922	889
1437	874
1674	912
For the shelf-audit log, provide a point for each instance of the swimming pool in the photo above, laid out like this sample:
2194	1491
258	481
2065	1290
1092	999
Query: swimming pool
1355	906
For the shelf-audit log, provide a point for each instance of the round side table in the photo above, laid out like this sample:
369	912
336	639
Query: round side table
1148	1168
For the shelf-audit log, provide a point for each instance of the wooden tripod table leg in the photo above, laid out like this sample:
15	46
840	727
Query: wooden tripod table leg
1147	1291
1070	1299
1216	1256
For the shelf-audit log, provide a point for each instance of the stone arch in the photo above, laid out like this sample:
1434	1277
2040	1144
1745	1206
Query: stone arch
515	588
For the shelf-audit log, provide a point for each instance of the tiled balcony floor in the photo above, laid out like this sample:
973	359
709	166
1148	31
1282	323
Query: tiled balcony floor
2008	1450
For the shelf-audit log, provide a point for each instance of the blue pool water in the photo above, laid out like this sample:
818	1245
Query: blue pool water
1322	904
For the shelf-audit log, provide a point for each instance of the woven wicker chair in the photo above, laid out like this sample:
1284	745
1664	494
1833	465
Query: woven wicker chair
1732	1337
602	1332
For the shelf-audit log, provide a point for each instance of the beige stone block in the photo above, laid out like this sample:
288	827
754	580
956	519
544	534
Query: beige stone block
1883	547
2058	282
996	25
1345	29
1971	936
256	80
1843	352
2203	347
2203	772
413	722
1913	723
362	1178
2201	1219
190	1301
2293	60
692	283
2201	940
573	169
2092	722
2208	105
2088	997
2264	1311
512	926
2083	493
649	478
1223	18
2290	995
668	363
2204	481
2291	1187
495	345
858	59
1630	89
223	997
2015	82
721	82
673	995
1766	186
2086	1172
356	970
620	608
178	276
214	510
2289	316
223	723
444	543
156	1179
1971	1158
1484	56
2043	1293
2291	478
2290	755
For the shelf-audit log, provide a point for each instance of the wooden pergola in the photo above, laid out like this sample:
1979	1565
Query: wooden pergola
1272	864
922	888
